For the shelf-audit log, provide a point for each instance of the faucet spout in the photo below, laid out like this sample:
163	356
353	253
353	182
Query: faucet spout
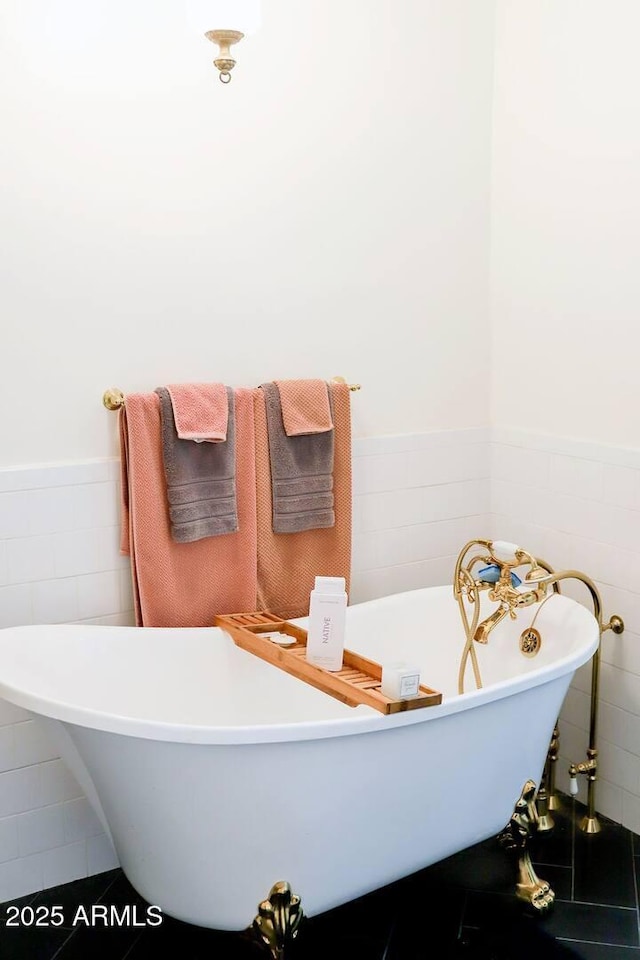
484	629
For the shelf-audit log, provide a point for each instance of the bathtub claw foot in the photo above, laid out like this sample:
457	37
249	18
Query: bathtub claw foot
515	837
278	919
538	895
534	892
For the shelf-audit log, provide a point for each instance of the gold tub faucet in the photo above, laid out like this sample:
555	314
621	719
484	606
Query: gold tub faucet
490	565
502	583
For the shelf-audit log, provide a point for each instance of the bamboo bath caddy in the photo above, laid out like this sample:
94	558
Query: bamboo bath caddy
357	682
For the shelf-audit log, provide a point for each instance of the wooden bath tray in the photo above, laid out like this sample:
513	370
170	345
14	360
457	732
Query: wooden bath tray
357	682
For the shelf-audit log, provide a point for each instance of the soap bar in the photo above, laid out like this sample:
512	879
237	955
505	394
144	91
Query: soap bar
282	639
400	681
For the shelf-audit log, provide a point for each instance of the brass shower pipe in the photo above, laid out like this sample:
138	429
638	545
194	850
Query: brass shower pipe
113	398
540	577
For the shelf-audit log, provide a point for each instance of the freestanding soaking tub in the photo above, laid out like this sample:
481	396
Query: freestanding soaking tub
217	774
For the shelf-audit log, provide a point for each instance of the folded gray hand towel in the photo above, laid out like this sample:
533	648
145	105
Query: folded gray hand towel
301	472
201	478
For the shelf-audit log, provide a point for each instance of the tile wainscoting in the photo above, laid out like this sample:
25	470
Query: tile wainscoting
59	562
417	499
577	505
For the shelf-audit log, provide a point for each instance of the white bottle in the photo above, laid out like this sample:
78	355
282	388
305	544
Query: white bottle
327	614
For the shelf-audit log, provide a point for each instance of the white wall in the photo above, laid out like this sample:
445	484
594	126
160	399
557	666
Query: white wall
566	218
325	213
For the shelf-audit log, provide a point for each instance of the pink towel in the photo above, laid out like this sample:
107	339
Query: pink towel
305	406
289	562
183	584
200	411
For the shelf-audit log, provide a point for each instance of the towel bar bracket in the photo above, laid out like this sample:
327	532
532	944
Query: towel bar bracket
113	398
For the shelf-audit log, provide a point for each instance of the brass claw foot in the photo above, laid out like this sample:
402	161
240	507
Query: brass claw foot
515	837
278	919
536	893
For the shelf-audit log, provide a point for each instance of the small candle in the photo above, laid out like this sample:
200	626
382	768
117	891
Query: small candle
400	681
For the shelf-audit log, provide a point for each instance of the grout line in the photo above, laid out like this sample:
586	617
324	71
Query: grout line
109	885
601	943
58	953
635	883
137	940
461	924
385	955
581	903
549	863
593	903
62	945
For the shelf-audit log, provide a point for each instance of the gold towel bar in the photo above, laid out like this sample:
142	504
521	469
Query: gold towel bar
113	398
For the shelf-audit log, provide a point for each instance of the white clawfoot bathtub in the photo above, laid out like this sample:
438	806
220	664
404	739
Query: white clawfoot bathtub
217	774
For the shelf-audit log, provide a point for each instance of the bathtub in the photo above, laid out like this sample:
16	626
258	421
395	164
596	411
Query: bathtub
216	774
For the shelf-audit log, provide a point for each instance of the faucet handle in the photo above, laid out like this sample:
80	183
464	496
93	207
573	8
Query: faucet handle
504	551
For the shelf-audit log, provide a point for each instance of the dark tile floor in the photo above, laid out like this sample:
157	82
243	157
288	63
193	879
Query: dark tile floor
462	908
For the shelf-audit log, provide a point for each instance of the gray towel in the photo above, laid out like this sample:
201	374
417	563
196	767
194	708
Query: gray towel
301	472
201	479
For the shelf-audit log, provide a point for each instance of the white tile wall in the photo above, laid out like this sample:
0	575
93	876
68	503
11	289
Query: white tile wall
417	500
59	561
578	505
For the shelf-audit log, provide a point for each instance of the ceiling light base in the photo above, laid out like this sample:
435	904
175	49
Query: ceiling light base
225	39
